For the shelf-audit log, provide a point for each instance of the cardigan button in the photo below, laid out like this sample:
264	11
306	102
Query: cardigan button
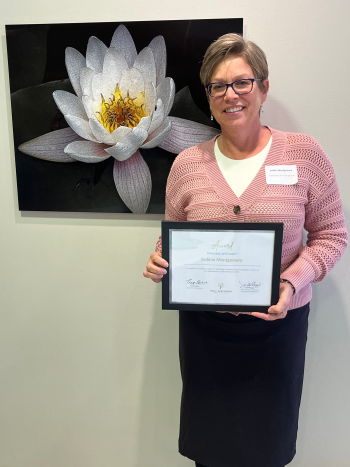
237	209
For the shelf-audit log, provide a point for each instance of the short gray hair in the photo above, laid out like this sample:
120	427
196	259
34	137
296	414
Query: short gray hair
234	44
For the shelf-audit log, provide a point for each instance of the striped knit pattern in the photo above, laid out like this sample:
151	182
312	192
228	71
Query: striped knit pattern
197	191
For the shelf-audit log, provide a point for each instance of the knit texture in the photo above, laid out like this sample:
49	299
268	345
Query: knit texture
197	191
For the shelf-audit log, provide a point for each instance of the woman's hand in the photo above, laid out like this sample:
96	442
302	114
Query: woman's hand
279	310
155	268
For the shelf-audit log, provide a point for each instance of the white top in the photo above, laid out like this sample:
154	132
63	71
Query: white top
239	173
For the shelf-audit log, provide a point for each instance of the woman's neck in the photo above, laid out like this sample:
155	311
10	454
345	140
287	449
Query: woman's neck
242	145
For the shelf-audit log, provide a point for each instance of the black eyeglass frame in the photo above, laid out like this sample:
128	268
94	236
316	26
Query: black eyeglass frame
230	85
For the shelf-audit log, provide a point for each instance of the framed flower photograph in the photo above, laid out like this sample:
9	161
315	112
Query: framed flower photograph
100	110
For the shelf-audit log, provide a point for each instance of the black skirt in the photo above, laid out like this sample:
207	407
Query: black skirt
242	382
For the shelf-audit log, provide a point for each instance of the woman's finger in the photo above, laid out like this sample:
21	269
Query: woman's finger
155	268
282	306
157	259
270	316
154	277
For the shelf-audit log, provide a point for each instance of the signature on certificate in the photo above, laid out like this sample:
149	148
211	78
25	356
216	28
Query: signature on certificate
195	283
253	284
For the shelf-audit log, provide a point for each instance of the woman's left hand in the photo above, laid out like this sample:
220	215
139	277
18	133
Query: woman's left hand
278	311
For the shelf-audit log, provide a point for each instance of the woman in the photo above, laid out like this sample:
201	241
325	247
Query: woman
242	375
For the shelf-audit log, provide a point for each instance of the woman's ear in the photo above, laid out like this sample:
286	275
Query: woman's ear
266	84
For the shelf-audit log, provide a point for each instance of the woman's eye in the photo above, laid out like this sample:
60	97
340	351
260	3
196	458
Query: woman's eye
242	83
218	86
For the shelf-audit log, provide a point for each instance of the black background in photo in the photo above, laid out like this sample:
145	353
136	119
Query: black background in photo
36	56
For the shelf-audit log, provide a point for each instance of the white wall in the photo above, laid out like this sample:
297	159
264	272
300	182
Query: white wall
89	368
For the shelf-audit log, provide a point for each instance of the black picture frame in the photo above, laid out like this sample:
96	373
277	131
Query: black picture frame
168	226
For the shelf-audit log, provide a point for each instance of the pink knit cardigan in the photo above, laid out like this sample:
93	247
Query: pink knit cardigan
197	191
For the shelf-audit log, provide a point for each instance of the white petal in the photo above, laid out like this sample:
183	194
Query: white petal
97	85
86	77
102	86
157	45
145	123
81	127
132	81
158	116
91	107
114	64
50	147
95	54
158	136
108	88
166	92
104	136
87	151
129	145
185	134
146	64
123	41
69	104
119	134
133	182
100	132
150	95
74	62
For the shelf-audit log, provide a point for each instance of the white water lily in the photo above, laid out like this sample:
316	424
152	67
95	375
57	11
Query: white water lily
121	104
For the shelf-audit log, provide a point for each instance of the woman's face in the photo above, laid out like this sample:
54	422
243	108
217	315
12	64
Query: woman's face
235	112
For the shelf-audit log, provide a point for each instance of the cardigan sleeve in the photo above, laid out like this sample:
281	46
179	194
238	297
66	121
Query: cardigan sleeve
324	221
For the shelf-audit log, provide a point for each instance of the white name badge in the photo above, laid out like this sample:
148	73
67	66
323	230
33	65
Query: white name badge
281	174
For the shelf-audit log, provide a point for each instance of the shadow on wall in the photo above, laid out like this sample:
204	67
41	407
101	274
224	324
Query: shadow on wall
325	413
161	393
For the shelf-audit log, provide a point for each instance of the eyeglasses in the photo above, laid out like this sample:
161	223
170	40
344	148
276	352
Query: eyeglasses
241	86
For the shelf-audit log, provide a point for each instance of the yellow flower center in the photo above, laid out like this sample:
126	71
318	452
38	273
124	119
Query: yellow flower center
122	111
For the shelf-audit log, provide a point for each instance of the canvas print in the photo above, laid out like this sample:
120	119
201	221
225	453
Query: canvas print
100	110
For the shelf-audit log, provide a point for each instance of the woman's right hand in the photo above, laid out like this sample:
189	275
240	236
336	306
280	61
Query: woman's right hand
155	268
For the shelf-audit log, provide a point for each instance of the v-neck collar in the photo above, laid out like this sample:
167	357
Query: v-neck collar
256	186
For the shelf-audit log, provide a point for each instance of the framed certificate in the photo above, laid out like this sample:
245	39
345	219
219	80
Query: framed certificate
224	266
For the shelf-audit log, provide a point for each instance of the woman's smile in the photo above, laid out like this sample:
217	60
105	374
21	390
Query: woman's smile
234	110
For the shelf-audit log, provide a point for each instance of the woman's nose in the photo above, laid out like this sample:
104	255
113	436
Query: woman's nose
231	93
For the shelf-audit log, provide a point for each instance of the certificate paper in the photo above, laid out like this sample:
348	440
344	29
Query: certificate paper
229	268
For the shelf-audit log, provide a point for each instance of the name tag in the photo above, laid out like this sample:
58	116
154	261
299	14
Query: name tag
281	174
